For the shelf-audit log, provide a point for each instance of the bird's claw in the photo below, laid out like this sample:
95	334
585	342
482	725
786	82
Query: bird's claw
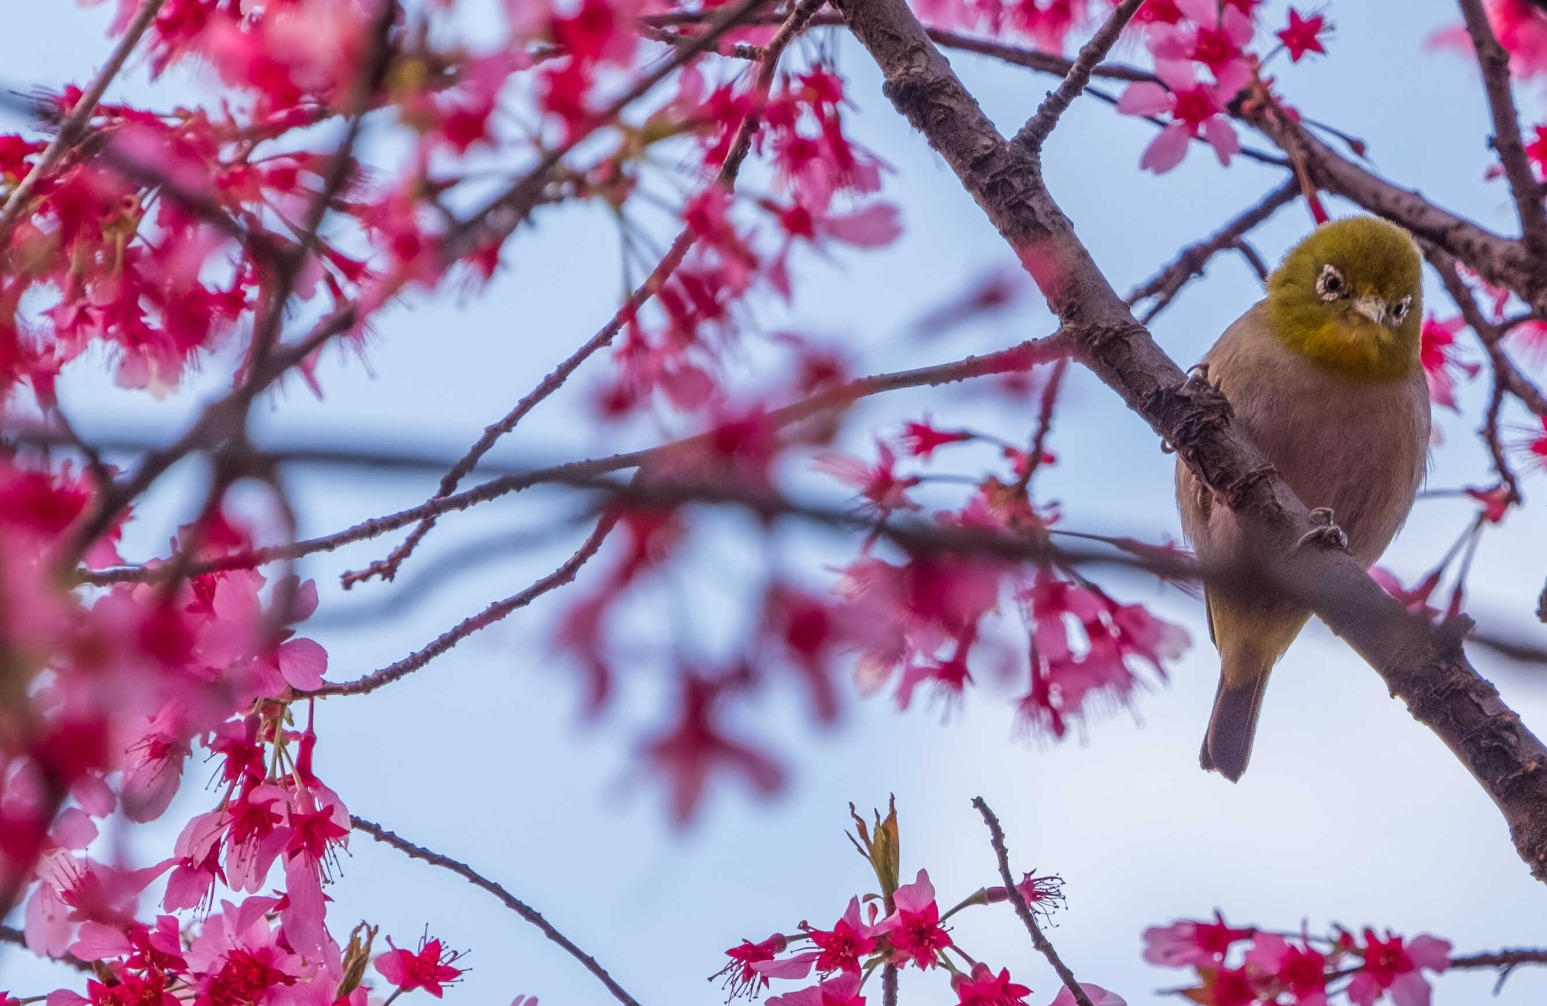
1198	377
1325	533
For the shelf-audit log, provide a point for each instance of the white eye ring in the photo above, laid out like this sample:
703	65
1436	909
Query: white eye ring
1330	284
1400	308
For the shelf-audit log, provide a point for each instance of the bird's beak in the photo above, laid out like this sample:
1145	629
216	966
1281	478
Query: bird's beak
1371	307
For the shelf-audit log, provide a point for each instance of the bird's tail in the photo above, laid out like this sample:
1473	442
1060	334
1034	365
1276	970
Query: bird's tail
1228	745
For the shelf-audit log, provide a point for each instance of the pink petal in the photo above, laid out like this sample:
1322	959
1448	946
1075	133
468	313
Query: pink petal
1097	995
1221	136
917	896
1144	98
1410	989
1166	150
98	942
1429	952
872	227
798	966
303	662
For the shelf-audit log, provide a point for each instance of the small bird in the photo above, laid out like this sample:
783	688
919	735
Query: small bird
1324	375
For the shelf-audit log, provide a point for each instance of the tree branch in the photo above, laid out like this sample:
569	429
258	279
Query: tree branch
509	900
1421	663
1041	124
1029	920
71	129
1166	284
1493	61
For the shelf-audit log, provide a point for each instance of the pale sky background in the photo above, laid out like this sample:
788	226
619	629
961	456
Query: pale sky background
1350	813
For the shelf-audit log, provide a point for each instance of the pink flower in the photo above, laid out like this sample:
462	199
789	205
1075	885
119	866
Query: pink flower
1192	944
1214	38
1303	35
1301	970
696	747
883	489
842	947
840	991
1533	448
984	988
1097	995
741	974
914	929
1389	966
1195	109
921	439
430	968
1442	360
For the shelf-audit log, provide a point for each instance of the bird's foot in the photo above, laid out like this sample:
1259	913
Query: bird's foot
1198	378
1325	533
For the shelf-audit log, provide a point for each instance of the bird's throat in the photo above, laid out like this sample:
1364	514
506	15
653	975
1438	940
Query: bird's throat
1353	347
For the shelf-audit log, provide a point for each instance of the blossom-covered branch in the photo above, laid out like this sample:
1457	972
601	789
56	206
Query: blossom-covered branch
1421	663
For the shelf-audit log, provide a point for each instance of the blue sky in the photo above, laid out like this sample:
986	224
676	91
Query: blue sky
1351	812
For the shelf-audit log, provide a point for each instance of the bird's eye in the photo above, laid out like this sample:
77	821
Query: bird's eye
1399	310
1330	284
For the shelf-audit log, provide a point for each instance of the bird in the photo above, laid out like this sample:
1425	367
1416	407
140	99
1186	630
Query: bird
1325	376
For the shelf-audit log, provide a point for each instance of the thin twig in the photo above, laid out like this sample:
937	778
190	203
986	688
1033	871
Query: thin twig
1016	358
1050	391
485	618
71	128
736	154
1045	948
509	900
1190	262
888	984
1040	125
506	211
1493	61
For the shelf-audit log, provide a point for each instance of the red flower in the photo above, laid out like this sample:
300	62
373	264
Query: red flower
1301	36
1301	970
848	941
1187	943
921	439
1534	448
984	988
429	969
1389	966
1442	360
914	929
1496	502
740	975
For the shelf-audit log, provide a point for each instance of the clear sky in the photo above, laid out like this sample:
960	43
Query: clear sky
1351	812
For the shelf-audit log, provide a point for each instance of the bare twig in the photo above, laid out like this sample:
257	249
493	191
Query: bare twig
74	125
1166	284
509	900
1016	358
1028	919
1040	125
485	618
1493	61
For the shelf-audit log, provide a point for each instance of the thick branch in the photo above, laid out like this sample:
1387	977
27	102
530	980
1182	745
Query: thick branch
1494	63
1421	663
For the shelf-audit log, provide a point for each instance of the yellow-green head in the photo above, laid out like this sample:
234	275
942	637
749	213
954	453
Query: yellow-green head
1350	297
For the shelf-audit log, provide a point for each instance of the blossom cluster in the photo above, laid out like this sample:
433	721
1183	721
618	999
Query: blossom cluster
1246	966
910	934
1187	38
